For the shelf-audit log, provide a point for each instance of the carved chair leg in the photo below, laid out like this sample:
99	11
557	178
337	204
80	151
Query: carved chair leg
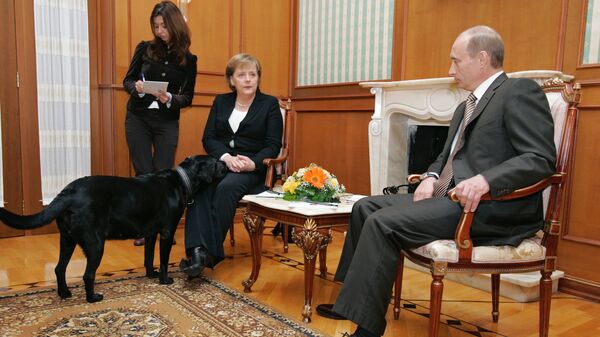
231	235
545	299
285	237
435	304
398	287
495	297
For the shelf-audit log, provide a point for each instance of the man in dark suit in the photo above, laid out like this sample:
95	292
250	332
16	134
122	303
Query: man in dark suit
505	143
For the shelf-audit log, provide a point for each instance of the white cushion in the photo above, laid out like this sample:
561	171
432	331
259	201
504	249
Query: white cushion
446	251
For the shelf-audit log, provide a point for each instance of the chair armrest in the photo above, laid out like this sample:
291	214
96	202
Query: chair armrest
271	163
556	178
413	178
462	237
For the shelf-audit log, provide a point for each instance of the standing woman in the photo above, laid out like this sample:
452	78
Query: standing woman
243	128
152	122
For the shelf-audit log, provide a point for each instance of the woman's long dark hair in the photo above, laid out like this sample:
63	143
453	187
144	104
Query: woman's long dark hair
179	33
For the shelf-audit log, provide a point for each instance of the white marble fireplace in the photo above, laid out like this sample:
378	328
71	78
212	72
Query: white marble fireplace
401	105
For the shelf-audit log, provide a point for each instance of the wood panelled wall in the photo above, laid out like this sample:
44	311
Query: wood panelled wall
580	245
331	121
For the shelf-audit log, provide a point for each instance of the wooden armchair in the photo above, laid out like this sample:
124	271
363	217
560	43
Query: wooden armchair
276	167
538	253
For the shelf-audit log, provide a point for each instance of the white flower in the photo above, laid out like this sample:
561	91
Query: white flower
333	182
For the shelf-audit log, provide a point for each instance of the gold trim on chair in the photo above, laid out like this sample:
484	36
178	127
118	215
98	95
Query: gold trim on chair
550	264
439	268
552	227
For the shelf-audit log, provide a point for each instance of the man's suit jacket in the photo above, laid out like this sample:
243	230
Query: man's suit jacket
258	136
509	141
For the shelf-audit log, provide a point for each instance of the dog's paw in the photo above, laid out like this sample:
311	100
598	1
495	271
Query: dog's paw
94	298
166	280
151	273
64	293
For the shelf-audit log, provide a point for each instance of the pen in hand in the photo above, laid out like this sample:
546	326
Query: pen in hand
139	85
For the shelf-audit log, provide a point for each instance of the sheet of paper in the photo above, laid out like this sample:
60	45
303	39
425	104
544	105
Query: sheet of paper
270	194
152	87
356	197
310	205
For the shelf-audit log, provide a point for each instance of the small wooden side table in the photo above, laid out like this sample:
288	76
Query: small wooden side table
311	231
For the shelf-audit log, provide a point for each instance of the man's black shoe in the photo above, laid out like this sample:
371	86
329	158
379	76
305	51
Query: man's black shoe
326	310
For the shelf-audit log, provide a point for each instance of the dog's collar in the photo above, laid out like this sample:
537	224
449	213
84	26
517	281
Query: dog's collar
186	182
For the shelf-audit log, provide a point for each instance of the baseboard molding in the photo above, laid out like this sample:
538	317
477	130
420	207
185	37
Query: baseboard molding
586	289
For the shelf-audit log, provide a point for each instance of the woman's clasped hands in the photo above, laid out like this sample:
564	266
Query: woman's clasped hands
239	163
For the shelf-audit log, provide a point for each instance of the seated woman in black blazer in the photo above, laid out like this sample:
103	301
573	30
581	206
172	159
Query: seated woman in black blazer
243	128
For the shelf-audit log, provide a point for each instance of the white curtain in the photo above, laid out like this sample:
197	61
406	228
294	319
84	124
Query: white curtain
63	85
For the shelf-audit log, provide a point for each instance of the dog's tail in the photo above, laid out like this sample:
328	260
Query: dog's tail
57	206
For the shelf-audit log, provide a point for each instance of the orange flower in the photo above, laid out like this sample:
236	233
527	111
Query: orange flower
315	176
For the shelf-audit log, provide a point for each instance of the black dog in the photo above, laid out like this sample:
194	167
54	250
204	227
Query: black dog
92	209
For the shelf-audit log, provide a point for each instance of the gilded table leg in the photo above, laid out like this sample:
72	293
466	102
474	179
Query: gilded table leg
255	226
311	239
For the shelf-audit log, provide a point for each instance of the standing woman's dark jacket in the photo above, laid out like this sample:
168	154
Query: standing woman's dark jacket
181	78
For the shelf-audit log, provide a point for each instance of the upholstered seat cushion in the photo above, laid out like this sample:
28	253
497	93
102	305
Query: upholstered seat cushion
446	251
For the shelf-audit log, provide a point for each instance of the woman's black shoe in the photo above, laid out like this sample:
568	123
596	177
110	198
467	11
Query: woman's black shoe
198	259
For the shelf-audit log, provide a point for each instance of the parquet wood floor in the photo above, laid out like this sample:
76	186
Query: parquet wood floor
29	261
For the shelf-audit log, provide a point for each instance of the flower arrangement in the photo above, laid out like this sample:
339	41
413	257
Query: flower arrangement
312	183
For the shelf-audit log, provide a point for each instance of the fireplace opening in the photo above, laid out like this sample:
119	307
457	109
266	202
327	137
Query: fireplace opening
426	142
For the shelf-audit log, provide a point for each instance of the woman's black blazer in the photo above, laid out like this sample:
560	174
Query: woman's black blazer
258	136
182	80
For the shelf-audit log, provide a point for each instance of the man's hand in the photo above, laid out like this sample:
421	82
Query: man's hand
425	189
469	192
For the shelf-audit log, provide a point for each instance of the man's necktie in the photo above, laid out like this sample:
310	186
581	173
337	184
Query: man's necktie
440	187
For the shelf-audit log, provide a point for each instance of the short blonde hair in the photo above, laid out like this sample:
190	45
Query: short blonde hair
237	61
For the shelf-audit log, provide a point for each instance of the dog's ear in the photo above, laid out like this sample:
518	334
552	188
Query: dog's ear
220	169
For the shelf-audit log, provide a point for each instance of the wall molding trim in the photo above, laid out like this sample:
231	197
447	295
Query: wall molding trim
579	287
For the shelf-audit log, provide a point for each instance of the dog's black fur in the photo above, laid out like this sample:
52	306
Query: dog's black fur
92	209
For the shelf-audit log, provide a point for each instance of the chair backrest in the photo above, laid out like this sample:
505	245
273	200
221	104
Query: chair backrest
280	169
286	114
563	99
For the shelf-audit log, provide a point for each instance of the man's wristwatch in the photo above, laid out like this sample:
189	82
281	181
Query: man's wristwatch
429	174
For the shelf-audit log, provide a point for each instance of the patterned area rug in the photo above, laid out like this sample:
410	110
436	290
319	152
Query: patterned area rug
138	306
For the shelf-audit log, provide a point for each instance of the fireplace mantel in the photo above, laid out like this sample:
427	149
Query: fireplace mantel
400	104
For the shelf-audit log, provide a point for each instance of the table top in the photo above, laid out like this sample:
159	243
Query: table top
300	207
